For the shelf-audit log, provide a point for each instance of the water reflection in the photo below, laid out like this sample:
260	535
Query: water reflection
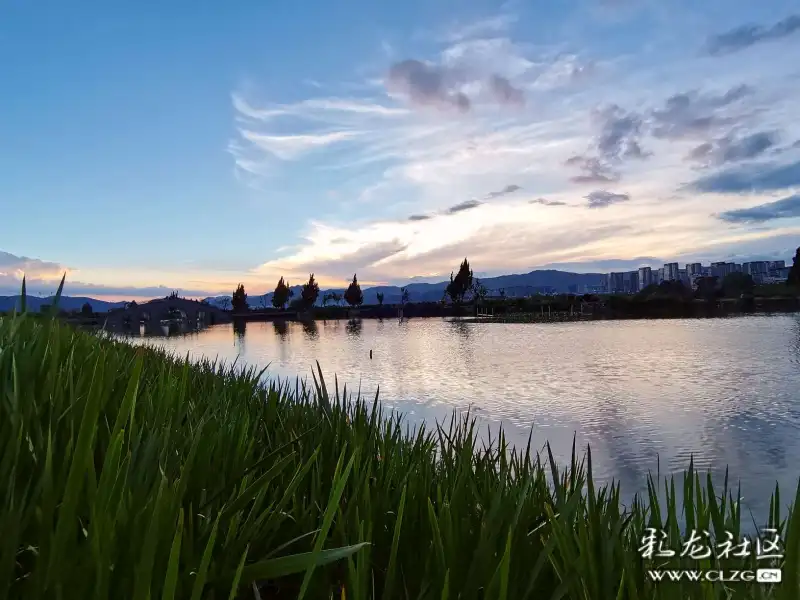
281	329
310	329
644	394
239	327
354	327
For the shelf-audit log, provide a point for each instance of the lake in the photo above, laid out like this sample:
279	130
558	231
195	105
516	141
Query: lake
643	394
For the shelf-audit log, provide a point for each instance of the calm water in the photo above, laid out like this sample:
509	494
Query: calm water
641	393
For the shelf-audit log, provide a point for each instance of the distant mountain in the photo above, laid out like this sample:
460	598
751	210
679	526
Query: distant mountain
68	303
512	285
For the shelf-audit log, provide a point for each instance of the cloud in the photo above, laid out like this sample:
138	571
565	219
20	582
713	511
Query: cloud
504	92
419	217
594	171
690	114
490	25
730	149
462	206
748	35
619	134
289	147
762	177
427	85
13	268
780	209
603	199
618	140
545	202
509	189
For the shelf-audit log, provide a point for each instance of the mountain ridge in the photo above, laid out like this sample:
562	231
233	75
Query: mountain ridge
513	284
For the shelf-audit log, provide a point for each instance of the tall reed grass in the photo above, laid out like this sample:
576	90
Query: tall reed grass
128	473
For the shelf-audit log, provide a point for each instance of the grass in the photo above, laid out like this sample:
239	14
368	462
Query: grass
128	473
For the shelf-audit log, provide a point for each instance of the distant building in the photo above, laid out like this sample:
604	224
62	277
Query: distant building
694	270
671	272
645	277
630	282
615	283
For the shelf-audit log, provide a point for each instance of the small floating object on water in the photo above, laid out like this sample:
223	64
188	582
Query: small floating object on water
370	354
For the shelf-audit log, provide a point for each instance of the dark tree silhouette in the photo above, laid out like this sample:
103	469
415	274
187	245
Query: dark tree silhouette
281	295
310	292
379	295
707	287
226	303
479	291
86	310
460	284
404	295
736	284
353	295
794	272
239	299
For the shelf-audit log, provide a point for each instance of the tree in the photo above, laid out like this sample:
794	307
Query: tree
336	298
737	284
353	295
794	272
460	284
239	299
707	287
226	303
379	295
86	310
310	292
131	304
479	291
281	294
404	296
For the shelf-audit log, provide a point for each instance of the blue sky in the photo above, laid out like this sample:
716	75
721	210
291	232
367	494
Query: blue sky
194	145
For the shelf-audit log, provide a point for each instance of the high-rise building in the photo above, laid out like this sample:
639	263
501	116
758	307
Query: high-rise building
718	269
671	272
645	277
616	283
630	282
693	269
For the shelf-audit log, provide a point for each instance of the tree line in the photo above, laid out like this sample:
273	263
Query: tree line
461	284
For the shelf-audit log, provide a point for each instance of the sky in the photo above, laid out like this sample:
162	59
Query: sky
184	145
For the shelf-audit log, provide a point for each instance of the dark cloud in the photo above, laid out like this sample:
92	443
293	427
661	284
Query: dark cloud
546	202
618	140
780	209
730	149
419	217
748	35
509	189
692	114
594	171
504	92
762	177
427	85
462	206
602	199
620	132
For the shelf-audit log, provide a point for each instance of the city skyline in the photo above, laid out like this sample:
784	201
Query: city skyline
405	137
